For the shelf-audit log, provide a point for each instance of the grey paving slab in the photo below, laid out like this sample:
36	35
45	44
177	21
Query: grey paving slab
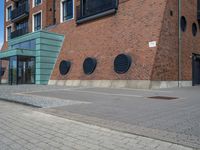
18	131
18	94
126	110
132	111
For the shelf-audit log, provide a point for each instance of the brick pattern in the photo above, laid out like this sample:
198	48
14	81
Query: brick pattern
128	31
25	128
105	38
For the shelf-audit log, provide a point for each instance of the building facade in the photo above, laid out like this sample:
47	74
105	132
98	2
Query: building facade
107	43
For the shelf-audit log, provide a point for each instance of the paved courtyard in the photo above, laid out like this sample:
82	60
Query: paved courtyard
22	127
126	111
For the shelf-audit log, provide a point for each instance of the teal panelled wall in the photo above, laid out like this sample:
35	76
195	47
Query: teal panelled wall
13	52
47	49
48	46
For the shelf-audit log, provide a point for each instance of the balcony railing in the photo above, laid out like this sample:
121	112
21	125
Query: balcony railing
19	32
20	12
94	9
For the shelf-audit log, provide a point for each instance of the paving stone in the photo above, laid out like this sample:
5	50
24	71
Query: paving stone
27	127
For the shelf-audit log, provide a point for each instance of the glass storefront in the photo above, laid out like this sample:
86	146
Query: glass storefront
21	70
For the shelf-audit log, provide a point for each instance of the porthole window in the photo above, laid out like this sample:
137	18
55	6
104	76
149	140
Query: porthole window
89	65
183	23
64	67
194	29
122	63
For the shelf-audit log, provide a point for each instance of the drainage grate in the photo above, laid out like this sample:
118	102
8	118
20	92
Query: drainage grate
163	97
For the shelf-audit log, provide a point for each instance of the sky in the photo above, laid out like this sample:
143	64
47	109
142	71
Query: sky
1	21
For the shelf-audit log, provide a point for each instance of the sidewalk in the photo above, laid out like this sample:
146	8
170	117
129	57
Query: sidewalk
23	127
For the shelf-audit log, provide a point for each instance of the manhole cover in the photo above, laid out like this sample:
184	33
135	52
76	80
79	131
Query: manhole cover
163	97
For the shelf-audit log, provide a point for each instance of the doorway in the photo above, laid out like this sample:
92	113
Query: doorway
21	70
195	69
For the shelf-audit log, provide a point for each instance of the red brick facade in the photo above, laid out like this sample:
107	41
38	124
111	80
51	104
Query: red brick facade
129	31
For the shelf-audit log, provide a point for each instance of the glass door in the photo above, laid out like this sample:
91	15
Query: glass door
26	70
13	70
22	70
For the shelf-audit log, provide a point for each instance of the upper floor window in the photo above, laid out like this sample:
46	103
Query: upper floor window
8	34
22	25
36	2
37	21
92	9
67	10
9	12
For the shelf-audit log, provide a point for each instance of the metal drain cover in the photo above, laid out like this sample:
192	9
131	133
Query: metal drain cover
163	97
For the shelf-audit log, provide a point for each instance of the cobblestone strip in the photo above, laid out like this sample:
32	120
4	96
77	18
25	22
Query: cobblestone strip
20	95
22	128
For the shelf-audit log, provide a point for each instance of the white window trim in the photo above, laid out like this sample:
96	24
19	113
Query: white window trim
33	3
61	12
7	31
7	11
33	30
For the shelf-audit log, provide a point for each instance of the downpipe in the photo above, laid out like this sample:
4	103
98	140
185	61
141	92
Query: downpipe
179	44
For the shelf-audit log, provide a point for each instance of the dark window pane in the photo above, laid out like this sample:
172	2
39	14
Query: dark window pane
67	6
37	22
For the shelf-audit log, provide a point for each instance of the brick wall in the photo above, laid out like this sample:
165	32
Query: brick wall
128	31
136	23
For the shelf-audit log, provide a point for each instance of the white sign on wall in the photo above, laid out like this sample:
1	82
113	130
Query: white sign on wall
152	44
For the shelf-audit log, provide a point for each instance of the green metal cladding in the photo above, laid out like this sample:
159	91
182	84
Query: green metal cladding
48	46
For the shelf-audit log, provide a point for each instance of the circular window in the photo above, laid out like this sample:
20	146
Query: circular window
122	63
194	29
64	67
183	24
89	65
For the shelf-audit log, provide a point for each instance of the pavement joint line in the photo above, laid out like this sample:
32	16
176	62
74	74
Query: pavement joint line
72	90
148	90
104	93
82	102
46	90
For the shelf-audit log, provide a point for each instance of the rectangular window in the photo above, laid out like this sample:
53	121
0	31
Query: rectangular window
22	25
9	12
31	44
67	10
37	22
9	30
198	9
37	2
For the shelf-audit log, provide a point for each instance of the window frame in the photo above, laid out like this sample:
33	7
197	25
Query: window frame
9	26
34	3
61	11
33	20
9	19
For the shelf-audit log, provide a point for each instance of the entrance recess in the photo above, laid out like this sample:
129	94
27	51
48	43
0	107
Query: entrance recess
21	70
196	69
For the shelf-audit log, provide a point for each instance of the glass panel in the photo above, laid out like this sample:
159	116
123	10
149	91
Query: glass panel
26	45
22	70
13	70
37	2
9	9
67	9
37	22
26	70
9	32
